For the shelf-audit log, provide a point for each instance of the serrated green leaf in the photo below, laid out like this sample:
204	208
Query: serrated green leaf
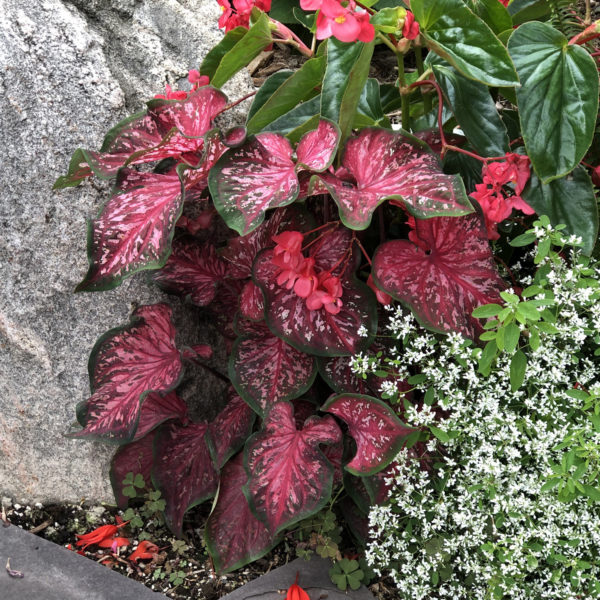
459	36
558	98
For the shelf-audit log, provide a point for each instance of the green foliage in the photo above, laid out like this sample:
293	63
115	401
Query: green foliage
346	574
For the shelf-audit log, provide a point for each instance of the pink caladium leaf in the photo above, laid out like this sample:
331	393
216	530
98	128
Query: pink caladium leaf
318	331
126	365
230	429
234	536
445	277
265	370
249	180
376	429
167	129
225	306
183	470
193	270
158	408
289	477
252	302
339	377
379	164
316	149
131	458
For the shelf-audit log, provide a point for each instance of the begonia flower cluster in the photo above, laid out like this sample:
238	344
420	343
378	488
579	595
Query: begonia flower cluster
491	194
321	290
196	81
340	20
236	13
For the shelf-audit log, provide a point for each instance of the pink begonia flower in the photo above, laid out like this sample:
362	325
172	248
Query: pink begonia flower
410	29
238	14
343	23
289	244
310	4
307	279
326	294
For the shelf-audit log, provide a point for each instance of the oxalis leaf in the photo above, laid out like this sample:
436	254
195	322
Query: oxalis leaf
234	536
558	98
261	174
379	164
444	275
376	429
456	34
265	370
318	331
134	229
289	477
183	470
126	364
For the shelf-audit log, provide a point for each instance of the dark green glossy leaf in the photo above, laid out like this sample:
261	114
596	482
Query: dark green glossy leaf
241	53
307	19
267	89
558	98
390	97
369	105
474	110
494	14
458	35
569	200
297	88
345	77
283	10
528	10
213	58
297	119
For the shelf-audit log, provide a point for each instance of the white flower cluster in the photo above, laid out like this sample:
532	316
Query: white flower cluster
472	521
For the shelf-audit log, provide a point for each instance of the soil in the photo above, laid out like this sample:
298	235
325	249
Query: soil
181	569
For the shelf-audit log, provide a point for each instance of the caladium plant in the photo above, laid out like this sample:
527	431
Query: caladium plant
294	231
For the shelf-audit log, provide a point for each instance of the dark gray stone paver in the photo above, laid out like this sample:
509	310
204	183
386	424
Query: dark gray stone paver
55	573
313	578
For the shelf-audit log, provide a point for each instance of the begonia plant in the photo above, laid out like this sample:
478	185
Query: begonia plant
348	187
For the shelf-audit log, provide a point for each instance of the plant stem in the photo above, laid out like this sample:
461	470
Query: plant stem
421	70
405	101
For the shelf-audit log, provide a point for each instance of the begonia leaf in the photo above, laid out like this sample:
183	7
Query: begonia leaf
193	270
126	364
445	277
289	477
183	470
156	409
234	536
378	432
229	430
131	458
265	370
249	180
318	331
379	164
558	98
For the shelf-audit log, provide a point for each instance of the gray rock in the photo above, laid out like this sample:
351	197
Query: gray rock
68	72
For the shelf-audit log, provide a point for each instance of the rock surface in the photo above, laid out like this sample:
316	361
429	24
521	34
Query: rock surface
69	71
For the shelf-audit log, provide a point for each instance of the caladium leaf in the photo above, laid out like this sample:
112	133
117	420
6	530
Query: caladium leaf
183	470
318	331
156	409
376	429
338	375
261	174
252	302
289	477
234	536
131	458
231	428
126	364
265	370
193	270
445	277
379	164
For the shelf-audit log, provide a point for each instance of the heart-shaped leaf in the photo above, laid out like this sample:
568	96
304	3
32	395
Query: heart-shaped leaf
234	536
193	271
456	34
265	370
131	458
338	375
230	429
252	302
126	364
445	277
376	429
316	150
183	470
558	98
156	409
379	164
318	331
289	477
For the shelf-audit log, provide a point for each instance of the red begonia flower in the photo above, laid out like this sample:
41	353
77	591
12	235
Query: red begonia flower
144	551
307	279
381	296
289	243
295	592
326	294
410	30
103	536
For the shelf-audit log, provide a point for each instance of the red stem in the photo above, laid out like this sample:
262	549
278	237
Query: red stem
587	35
229	106
362	249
